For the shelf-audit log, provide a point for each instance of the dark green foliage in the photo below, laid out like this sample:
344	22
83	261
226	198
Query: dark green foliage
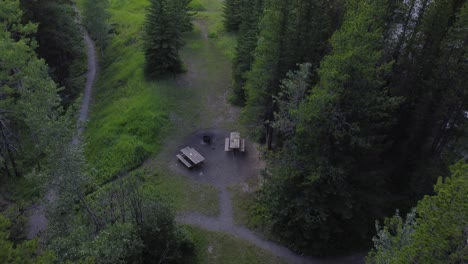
32	120
26	252
305	29
164	24
320	188
60	43
95	20
163	239
263	78
233	14
428	73
246	44
309	28
384	120
435	232
116	224
293	93
290	33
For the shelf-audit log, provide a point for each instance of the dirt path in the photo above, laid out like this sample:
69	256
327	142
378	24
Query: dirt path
90	79
37	220
208	76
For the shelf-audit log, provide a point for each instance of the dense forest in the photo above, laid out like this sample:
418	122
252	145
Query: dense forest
360	108
363	104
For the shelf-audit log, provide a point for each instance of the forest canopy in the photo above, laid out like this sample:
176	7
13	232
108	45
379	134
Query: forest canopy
362	104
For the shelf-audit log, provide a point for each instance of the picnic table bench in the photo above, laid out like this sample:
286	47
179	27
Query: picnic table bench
190	157
234	142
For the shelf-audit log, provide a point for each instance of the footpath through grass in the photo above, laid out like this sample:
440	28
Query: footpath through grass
214	247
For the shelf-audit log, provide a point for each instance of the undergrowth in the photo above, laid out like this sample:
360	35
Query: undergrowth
129	119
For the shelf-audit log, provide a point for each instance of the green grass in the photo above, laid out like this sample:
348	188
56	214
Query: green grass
224	41
242	202
180	193
197	5
133	119
129	119
214	247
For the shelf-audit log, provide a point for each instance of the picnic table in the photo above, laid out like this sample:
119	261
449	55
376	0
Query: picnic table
234	142
190	157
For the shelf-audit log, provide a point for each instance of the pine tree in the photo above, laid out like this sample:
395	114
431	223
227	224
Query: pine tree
292	32
232	14
60	43
251	14
264	77
34	124
320	186
164	24
426	73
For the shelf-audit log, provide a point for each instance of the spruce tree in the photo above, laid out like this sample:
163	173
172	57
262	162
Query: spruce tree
427	51
320	186
165	22
291	32
233	14
60	43
264	77
251	14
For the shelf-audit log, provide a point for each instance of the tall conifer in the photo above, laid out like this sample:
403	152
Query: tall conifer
232	14
164	24
319	188
247	42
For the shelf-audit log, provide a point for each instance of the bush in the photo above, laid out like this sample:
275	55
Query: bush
196	6
161	233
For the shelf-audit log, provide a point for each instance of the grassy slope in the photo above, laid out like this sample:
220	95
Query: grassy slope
133	119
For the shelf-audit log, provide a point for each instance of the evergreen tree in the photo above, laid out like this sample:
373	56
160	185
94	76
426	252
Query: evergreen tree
60	43
291	33
251	14
264	77
308	29
164	24
232	14
32	118
293	93
427	49
320	185
434	232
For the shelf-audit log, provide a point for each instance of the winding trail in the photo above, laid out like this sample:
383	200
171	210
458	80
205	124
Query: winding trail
90	79
37	220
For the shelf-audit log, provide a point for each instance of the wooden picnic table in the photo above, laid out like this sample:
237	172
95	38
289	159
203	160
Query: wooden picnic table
192	155
234	142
